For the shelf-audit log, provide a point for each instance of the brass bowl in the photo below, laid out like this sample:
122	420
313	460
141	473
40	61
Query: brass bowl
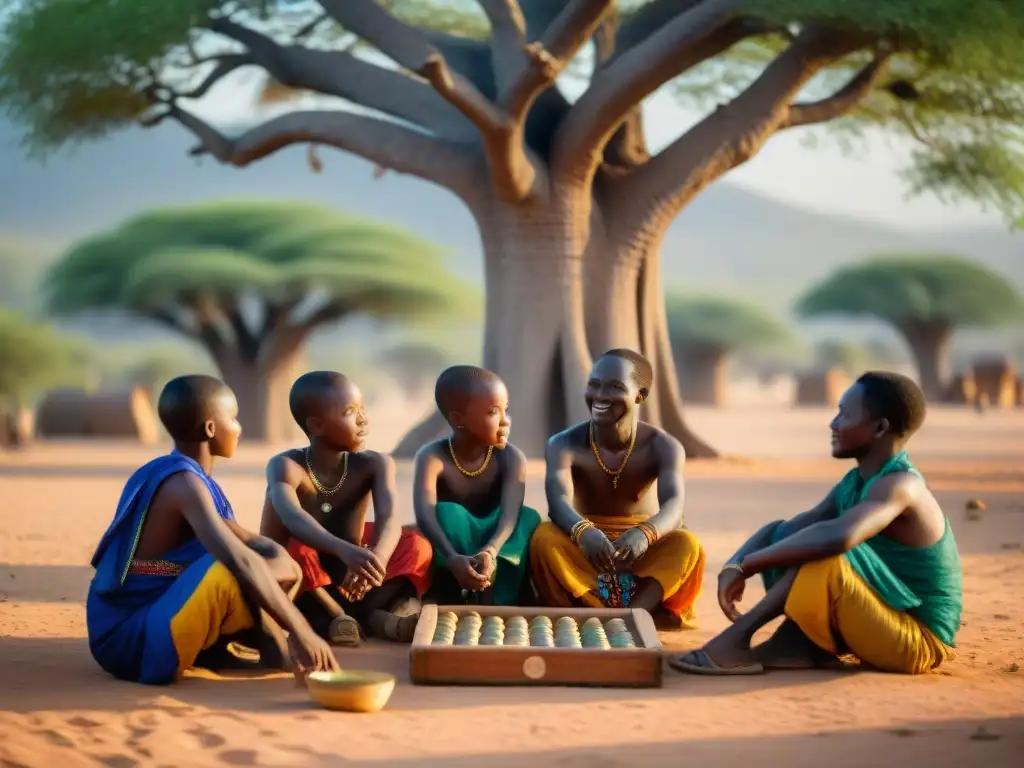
353	690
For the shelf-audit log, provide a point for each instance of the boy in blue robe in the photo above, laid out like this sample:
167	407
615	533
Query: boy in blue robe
177	577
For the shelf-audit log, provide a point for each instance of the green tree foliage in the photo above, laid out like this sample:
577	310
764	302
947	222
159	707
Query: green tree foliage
33	358
722	323
706	331
249	281
466	95
21	266
925	298
944	73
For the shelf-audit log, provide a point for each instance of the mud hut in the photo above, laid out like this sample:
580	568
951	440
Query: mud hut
123	414
996	379
962	389
821	387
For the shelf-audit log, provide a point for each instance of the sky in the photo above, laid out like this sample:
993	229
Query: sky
864	185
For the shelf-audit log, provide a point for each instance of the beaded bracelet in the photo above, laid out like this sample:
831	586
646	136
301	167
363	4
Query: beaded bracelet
578	529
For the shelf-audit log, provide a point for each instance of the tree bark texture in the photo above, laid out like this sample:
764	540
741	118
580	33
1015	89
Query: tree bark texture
571	207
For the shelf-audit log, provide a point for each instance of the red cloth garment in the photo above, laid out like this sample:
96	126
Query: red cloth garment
411	560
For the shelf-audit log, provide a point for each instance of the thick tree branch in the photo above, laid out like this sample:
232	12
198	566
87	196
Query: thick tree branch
541	62
345	76
627	147
843	101
226	64
514	172
655	193
648	19
248	343
203	333
445	163
690	38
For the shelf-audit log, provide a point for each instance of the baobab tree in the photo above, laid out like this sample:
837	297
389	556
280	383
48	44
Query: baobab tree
925	298
571	205
249	282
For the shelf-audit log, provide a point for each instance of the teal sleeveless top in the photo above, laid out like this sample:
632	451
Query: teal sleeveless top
926	582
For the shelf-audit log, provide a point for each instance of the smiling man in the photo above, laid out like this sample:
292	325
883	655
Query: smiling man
872	571
612	541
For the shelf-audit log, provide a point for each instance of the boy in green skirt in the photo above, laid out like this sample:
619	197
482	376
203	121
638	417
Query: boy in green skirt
468	494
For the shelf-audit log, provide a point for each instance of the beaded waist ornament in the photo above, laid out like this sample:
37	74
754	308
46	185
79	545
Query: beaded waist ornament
616	590
155	568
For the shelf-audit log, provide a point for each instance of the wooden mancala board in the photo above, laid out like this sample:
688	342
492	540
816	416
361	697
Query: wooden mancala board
448	663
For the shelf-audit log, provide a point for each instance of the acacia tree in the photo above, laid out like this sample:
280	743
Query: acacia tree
33	358
571	205
705	331
925	298
250	282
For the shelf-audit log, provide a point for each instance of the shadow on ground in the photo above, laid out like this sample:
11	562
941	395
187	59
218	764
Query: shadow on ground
85	686
951	743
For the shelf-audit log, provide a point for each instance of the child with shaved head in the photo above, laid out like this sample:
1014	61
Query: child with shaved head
356	574
177	578
468	493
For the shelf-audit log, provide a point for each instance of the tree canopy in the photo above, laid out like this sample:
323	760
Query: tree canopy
924	289
33	358
193	268
944	73
470	95
725	323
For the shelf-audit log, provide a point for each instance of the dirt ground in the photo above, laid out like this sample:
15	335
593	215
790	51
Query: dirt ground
58	708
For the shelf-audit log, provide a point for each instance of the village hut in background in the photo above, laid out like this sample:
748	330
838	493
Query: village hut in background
122	414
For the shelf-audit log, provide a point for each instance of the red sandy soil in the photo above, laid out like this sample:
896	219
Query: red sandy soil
58	708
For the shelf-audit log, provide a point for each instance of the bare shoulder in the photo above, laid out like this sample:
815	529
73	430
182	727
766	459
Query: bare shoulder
665	446
287	467
512	457
569	438
430	454
377	461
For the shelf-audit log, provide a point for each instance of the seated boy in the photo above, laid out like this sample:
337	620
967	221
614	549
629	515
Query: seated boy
354	572
873	571
468	499
612	541
177	578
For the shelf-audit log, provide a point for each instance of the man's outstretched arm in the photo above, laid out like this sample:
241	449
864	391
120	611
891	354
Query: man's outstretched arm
824	510
888	498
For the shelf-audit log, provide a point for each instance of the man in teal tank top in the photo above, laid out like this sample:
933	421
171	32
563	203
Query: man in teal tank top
871	572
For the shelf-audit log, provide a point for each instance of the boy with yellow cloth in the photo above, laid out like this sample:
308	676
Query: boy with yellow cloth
611	542
873	571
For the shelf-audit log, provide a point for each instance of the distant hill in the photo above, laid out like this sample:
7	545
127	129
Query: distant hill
730	239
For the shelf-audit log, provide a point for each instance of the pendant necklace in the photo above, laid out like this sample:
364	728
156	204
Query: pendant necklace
597	455
320	488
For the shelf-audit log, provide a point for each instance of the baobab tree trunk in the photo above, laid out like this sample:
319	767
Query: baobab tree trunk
626	308
534	334
929	344
262	387
702	371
